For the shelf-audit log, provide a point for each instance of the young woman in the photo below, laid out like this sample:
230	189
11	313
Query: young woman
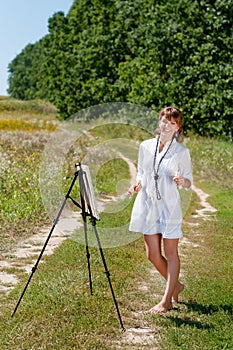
163	165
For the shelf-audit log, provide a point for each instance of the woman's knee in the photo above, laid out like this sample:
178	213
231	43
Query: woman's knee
154	256
172	255
171	249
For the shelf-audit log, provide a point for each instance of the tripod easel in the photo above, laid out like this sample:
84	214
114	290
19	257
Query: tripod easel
88	210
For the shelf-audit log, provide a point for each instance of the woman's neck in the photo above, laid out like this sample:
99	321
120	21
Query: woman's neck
161	145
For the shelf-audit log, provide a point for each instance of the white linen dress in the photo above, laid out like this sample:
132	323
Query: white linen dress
150	215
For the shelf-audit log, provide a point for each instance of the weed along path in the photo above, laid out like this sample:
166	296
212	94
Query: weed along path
25	254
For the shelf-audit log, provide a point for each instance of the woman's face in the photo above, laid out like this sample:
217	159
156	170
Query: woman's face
168	128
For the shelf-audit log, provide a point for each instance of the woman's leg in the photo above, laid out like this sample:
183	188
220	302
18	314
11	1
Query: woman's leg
154	253
173	271
169	268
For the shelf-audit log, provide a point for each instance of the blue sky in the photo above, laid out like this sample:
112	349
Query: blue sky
23	22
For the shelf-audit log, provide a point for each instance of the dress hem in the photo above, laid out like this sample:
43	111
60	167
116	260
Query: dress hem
159	233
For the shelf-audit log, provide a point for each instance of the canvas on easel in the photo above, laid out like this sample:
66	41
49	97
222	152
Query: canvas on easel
87	190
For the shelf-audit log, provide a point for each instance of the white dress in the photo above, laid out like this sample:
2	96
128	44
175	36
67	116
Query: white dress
150	215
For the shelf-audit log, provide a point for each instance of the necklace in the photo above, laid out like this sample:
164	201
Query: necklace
156	171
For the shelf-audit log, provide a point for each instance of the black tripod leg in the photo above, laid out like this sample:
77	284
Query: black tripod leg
47	240
108	276
87	253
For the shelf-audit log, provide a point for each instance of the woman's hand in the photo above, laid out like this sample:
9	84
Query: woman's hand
135	188
181	181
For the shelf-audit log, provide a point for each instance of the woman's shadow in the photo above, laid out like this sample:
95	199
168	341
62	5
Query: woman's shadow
200	309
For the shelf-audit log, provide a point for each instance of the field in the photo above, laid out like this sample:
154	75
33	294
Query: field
57	311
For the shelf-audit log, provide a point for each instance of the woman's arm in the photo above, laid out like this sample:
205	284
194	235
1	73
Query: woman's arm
138	185
185	178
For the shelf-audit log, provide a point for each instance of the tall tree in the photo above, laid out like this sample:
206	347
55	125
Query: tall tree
141	51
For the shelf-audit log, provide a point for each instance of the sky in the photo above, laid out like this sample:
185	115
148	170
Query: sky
23	22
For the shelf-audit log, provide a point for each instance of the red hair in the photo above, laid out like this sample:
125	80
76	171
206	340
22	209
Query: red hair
177	115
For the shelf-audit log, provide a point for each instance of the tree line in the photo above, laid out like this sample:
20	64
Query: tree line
146	52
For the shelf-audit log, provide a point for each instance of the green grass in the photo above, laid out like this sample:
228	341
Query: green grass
212	161
116	170
25	127
10	106
58	312
20	202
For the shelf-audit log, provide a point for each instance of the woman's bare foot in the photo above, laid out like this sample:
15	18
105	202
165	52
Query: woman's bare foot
177	291
160	308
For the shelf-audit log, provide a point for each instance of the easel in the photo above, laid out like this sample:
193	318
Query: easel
88	209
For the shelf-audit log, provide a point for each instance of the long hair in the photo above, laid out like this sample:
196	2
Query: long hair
173	112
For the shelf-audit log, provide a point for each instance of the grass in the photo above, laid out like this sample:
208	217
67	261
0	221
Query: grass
29	109
20	202
203	321
11	124
58	312
116	170
59	298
